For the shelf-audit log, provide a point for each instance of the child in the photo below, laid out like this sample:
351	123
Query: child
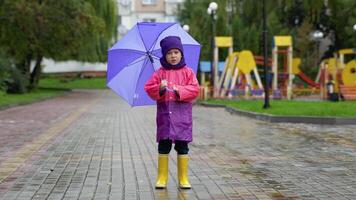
174	86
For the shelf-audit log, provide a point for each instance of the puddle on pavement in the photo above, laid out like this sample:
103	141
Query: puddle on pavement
167	194
245	168
303	148
279	196
316	133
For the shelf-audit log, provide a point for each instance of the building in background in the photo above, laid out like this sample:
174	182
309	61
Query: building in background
133	11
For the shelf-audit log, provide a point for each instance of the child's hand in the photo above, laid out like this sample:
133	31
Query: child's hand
163	84
175	88
176	91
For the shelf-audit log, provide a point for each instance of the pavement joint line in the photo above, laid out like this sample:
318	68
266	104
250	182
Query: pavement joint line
10	165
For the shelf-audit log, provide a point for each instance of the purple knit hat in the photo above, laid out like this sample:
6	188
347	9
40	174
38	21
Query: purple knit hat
168	43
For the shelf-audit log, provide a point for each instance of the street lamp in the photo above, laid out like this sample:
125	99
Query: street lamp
186	27
354	27
317	36
213	69
265	56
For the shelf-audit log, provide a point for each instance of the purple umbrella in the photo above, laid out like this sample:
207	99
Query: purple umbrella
134	58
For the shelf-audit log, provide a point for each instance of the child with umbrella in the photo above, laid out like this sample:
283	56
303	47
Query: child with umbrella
173	86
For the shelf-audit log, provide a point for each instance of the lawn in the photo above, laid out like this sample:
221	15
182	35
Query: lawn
51	87
77	83
294	108
18	99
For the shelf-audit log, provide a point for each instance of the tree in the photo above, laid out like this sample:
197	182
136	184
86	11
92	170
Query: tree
285	17
338	20
193	13
306	49
246	23
61	30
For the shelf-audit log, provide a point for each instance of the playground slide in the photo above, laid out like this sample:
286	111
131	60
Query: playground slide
306	79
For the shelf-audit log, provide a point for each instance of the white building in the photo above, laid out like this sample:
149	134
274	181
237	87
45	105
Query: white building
133	11
51	66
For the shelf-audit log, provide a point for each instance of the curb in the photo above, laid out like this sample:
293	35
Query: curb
285	119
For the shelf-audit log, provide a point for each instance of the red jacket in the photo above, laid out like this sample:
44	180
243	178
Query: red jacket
174	113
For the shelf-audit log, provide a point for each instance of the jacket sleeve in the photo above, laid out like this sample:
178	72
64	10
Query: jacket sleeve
189	91
152	87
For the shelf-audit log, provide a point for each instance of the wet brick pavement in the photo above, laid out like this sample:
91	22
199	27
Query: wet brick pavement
91	145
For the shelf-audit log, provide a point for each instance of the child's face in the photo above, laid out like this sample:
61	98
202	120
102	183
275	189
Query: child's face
173	56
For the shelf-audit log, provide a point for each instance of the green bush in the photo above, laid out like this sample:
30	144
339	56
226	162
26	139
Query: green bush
11	79
4	73
16	83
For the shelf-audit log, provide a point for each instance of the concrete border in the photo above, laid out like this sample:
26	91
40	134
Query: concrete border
286	119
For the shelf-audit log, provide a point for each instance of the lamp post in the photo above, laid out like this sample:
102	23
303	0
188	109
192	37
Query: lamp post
186	27
213	69
265	56
317	36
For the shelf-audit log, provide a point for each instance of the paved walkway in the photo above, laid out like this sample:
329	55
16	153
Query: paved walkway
91	145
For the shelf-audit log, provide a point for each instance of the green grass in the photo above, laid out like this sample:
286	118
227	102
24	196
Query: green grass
78	83
19	99
51	87
294	108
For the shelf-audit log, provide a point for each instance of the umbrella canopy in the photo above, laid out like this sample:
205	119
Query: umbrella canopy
134	58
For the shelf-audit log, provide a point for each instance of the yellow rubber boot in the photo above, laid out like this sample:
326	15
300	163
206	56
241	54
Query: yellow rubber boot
183	171
162	176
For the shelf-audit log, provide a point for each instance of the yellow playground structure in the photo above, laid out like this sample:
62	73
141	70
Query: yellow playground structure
240	76
238	71
342	74
282	81
220	42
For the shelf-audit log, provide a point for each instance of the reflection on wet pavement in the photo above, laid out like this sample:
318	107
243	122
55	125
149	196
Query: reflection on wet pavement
110	152
282	160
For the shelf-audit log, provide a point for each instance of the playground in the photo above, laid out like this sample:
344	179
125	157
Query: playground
240	75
